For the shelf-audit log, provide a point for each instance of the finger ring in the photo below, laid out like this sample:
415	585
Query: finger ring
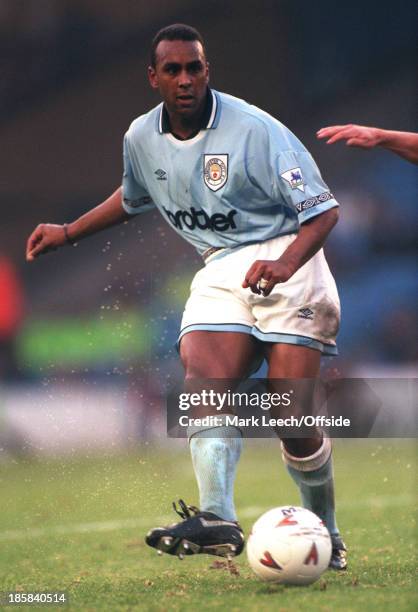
262	283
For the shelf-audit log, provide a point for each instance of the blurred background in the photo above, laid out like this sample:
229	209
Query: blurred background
87	334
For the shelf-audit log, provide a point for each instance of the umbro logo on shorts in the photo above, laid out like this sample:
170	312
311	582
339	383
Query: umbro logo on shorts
306	313
200	219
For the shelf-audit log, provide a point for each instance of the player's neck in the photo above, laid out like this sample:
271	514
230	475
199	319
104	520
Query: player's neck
186	127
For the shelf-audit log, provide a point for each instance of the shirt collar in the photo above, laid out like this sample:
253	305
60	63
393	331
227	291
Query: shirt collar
209	118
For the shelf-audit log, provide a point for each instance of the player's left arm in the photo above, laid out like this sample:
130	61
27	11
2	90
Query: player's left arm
311	237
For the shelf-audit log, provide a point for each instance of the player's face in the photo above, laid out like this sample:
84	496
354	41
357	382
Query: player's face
181	75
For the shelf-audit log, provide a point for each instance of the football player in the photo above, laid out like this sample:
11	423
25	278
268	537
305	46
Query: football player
239	186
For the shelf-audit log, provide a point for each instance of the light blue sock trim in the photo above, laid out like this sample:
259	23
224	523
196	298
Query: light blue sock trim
214	462
317	493
213	431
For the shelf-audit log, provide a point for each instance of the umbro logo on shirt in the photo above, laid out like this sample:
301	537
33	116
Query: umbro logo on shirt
161	174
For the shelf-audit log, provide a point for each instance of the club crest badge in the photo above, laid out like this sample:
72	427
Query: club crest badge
215	171
294	178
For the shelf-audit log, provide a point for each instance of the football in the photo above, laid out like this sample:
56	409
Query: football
289	545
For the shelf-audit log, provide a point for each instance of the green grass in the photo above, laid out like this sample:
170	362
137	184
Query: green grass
114	570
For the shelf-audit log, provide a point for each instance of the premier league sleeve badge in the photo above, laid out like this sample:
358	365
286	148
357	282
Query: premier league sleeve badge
294	178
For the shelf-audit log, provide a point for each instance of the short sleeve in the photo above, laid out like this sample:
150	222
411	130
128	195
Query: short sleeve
302	185
135	198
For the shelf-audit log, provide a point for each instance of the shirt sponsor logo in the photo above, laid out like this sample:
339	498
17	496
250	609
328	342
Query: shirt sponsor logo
200	219
215	171
294	178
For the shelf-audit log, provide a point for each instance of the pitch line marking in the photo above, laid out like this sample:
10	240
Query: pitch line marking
102	526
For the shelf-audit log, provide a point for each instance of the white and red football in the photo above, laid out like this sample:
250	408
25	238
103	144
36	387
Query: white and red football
289	545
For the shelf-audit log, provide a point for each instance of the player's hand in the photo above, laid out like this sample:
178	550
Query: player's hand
271	271
354	135
46	237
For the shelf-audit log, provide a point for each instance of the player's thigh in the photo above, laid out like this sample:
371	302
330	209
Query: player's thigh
207	354
292	361
295	362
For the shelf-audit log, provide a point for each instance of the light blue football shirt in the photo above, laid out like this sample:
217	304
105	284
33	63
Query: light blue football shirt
245	178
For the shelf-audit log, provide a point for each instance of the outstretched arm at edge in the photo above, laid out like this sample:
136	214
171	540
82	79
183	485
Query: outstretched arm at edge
404	144
48	237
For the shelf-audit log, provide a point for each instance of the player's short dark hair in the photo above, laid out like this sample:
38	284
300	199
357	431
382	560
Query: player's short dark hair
176	31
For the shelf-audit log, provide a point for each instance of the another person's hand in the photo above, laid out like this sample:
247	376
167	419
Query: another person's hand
46	237
404	144
354	135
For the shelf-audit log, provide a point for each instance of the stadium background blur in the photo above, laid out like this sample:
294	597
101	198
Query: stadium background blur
87	334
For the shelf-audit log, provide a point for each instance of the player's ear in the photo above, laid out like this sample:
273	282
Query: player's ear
207	71
152	77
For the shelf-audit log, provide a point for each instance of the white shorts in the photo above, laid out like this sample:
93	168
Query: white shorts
304	311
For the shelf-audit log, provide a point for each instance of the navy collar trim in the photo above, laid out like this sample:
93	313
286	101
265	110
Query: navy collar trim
210	118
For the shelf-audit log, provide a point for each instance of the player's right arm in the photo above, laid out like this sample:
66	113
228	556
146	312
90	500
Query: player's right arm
404	144
48	237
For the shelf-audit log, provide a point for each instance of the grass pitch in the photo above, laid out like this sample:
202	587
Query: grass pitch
78	526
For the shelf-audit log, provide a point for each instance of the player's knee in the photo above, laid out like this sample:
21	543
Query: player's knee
196	370
192	364
192	373
197	366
